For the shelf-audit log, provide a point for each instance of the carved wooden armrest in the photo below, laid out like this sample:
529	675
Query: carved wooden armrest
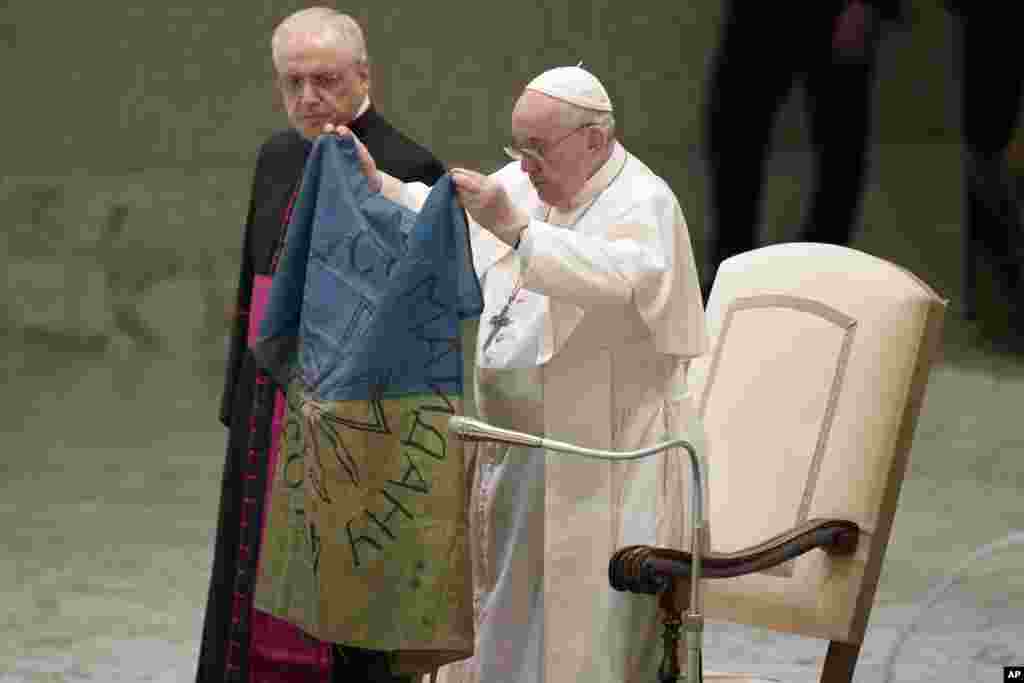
664	572
650	569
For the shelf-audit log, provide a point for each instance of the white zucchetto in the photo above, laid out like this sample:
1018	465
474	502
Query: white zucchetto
574	85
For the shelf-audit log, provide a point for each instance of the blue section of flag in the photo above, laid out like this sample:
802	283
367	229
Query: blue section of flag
370	292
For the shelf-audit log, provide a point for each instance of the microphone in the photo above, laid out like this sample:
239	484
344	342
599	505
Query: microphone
469	429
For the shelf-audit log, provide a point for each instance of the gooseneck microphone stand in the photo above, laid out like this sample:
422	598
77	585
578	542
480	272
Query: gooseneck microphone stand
469	429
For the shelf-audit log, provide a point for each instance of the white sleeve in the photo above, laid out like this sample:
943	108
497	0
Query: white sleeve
410	195
631	257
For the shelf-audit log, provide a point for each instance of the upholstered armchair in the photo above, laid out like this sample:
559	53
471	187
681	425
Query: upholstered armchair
809	399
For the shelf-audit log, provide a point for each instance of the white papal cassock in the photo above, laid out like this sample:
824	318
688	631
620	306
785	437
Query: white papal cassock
595	353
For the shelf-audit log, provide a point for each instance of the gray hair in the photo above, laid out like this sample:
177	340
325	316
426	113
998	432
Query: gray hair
574	116
326	25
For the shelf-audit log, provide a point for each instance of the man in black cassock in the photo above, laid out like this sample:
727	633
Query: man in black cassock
323	75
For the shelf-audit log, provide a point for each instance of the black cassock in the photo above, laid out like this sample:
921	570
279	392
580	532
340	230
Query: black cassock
245	411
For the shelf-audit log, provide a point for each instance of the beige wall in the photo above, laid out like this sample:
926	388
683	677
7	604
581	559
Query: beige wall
114	86
147	116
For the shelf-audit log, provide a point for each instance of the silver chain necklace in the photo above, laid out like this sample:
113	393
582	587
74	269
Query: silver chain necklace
501	319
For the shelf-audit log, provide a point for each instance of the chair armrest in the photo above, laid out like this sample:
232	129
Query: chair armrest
650	569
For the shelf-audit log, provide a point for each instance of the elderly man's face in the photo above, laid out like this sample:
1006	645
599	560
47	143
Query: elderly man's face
567	153
320	83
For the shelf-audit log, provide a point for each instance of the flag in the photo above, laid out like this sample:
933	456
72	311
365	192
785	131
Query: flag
366	540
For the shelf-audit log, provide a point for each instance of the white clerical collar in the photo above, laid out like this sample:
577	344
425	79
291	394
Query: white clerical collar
362	107
599	181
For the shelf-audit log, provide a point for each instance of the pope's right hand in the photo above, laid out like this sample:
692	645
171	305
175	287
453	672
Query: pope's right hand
366	161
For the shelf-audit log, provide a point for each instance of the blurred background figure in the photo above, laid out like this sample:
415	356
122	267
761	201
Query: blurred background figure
990	101
830	47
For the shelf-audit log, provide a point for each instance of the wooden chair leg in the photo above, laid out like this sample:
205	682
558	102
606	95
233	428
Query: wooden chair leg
672	603
840	662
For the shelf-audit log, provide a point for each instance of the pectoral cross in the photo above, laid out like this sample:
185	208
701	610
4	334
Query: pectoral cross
501	319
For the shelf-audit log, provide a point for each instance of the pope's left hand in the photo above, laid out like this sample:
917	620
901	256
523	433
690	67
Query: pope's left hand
489	204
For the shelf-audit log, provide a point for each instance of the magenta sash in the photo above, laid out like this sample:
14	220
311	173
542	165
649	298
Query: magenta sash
279	652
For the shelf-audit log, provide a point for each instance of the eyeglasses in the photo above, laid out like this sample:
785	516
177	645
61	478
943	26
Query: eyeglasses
328	81
516	152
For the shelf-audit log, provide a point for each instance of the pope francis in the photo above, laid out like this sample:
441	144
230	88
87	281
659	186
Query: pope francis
592	312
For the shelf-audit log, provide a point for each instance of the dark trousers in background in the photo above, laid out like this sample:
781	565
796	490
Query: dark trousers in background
992	76
355	665
765	49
